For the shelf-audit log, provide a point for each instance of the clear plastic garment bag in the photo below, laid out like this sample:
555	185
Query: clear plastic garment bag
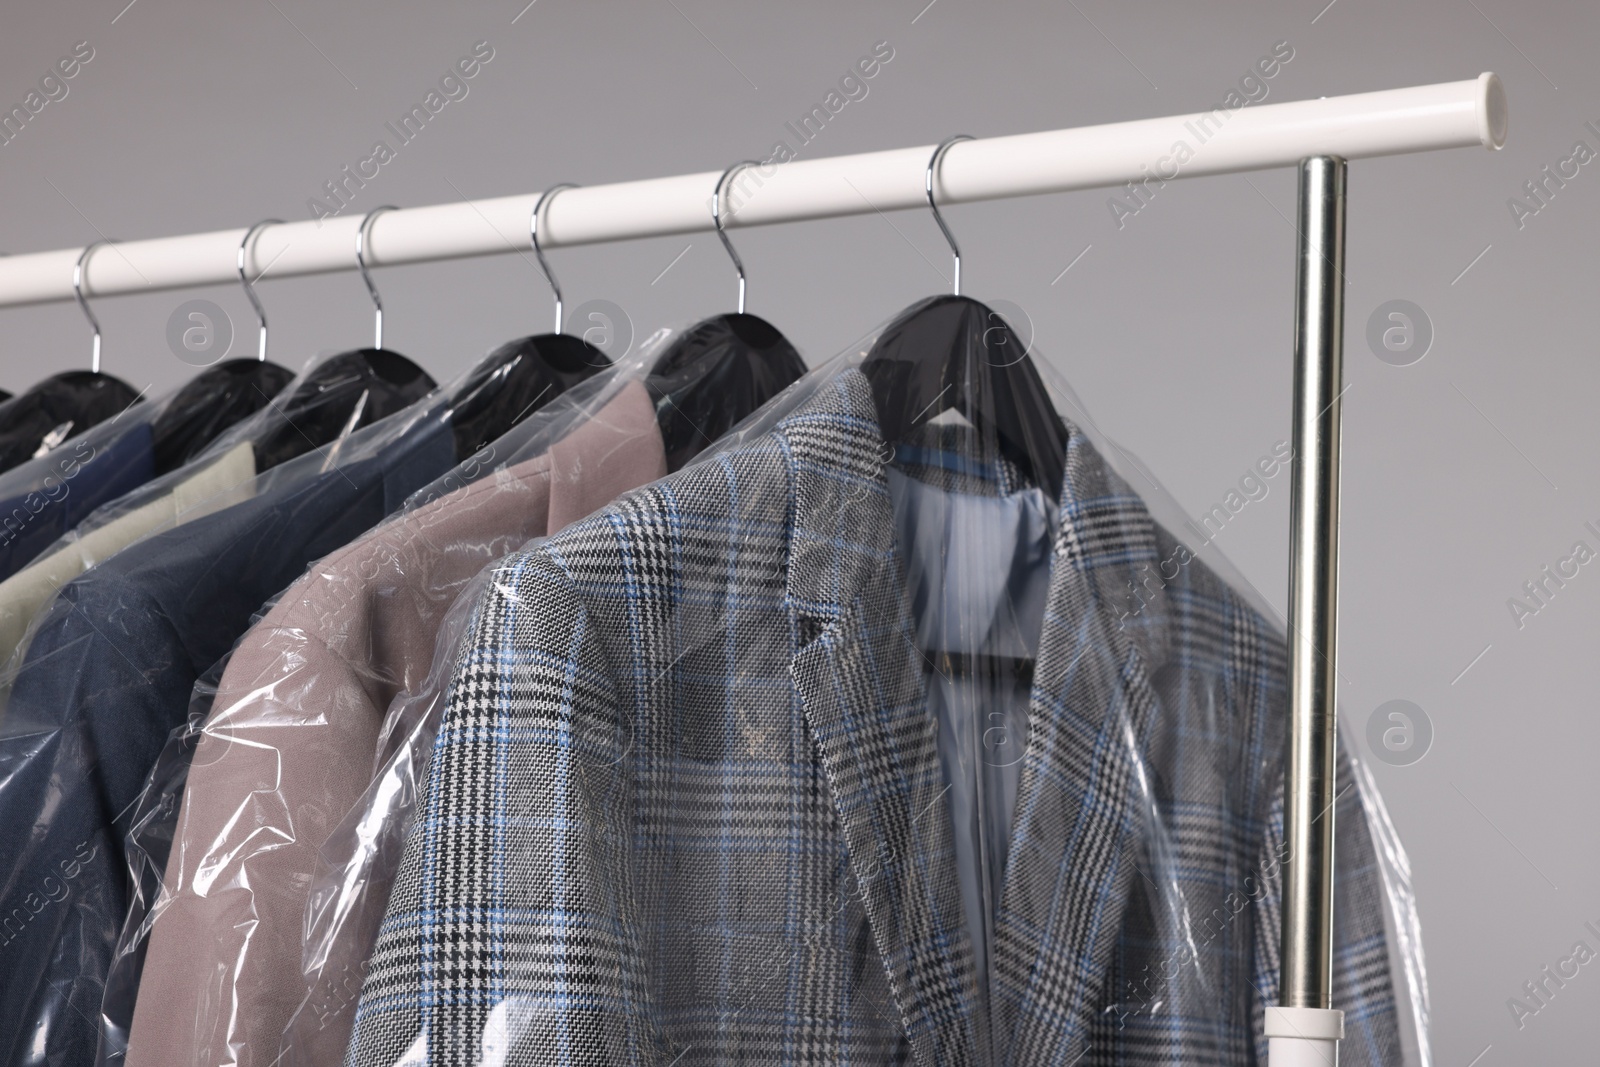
284	735
104	670
284	732
878	733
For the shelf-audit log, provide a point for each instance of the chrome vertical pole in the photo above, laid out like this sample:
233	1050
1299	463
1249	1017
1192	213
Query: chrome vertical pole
1303	1029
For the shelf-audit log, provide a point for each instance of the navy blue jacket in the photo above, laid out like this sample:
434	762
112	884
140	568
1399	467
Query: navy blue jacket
72	481
106	678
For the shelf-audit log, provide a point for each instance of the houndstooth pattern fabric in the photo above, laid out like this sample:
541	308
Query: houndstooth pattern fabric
686	805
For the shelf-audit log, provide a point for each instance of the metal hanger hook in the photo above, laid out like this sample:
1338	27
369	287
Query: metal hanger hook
716	219
533	234
245	248
933	167
361	262
77	289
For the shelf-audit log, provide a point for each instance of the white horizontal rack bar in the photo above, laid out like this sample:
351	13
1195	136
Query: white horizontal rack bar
1394	121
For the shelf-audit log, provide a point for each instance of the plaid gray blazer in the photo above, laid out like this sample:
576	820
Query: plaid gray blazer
686	806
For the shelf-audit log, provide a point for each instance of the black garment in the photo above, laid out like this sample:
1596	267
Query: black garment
68	403
65	487
212	401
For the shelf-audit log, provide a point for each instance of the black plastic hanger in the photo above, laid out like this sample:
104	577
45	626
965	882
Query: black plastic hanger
57	409
342	394
223	395
523	375
346	392
952	353
718	372
516	379
217	398
66	404
714	376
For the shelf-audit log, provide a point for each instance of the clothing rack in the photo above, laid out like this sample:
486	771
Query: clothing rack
1423	118
1319	136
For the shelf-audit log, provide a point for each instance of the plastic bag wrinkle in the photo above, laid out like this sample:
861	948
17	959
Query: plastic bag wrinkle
307	688
691	961
107	673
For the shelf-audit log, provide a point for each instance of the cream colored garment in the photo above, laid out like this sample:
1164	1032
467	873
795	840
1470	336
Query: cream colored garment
22	596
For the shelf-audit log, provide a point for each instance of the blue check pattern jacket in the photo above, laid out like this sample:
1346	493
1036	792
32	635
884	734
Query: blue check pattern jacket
686	807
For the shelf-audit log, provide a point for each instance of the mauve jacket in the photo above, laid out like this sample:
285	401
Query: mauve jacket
295	729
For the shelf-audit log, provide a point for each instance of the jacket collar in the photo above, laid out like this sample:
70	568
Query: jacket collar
860	680
614	450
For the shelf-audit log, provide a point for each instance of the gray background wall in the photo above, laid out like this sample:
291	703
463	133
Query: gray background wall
1465	473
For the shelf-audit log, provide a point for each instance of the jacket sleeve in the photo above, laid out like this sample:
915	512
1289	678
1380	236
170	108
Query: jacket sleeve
81	730
281	758
511	933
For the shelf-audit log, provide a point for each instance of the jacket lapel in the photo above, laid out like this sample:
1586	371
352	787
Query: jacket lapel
1080	806
860	680
1079	802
